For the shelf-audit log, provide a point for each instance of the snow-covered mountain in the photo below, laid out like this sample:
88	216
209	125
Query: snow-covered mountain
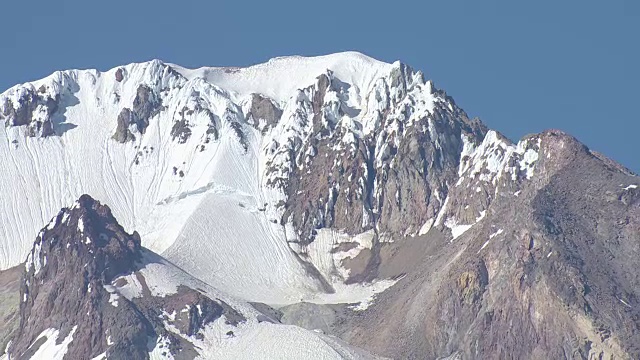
182	156
324	180
123	302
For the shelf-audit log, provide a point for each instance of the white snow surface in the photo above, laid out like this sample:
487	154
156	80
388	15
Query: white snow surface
50	349
271	341
216	221
491	159
281	77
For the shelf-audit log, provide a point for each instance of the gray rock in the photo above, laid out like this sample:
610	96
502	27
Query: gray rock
263	109
549	284
120	75
73	261
21	114
145	106
310	316
125	119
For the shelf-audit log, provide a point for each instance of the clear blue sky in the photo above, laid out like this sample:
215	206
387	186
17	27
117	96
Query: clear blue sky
520	66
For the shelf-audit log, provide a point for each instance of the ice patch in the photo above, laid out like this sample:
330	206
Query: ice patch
131	287
484	245
527	163
426	227
50	350
113	299
442	211
270	341
632	186
102	356
113	295
625	303
33	258
160	350
325	254
498	232
456	229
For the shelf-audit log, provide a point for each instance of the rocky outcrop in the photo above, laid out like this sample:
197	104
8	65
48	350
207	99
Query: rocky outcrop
33	109
181	130
390	172
146	105
263	113
546	259
71	287
120	75
125	119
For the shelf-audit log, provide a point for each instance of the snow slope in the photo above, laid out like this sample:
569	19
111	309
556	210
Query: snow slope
279	78
202	204
254	336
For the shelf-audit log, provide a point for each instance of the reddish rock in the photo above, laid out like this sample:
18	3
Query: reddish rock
119	75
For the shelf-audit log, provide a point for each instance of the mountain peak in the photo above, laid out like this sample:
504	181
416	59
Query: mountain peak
279	77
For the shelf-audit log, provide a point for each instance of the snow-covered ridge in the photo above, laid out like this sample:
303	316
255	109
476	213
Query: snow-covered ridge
280	77
200	165
202	184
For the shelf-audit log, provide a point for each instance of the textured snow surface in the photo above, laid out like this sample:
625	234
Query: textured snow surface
160	350
250	338
272	341
51	349
494	157
279	78
216	219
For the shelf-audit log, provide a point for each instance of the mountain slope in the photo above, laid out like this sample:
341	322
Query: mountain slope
180	158
549	272
344	182
188	151
90	283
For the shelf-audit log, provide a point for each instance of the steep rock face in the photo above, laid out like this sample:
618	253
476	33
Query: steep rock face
548	272
146	105
366	172
10	280
33	109
263	113
370	168
80	251
71	289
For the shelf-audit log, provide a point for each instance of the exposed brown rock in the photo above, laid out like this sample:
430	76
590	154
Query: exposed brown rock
145	106
263	109
548	285
67	285
26	106
122	133
119	75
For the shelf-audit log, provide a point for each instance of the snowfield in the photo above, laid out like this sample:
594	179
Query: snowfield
202	203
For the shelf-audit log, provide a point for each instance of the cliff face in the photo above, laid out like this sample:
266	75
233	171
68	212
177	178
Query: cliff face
549	272
338	180
72	289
